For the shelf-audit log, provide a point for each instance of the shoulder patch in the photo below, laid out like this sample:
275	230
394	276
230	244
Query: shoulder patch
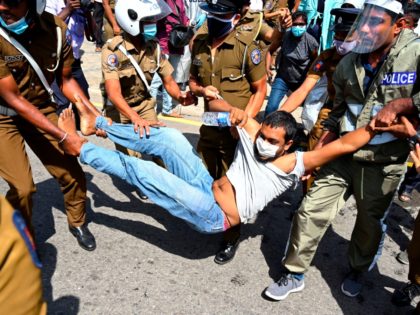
112	60
256	56
268	5
23	230
319	66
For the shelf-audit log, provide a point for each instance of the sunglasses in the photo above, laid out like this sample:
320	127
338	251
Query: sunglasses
11	3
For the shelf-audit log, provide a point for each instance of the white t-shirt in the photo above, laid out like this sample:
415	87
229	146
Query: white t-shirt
75	24
256	5
257	183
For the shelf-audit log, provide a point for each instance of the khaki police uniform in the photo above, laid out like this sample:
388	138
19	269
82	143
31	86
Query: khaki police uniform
325	64
20	267
271	6
117	66
41	43
372	173
108	30
237	62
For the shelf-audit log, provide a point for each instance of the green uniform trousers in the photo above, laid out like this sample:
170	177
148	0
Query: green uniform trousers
20	272
16	170
373	186
414	257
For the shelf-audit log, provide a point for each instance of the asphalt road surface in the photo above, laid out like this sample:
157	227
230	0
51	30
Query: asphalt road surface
148	262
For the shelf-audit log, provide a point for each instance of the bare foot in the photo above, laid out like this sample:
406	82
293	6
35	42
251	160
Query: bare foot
87	117
67	122
72	143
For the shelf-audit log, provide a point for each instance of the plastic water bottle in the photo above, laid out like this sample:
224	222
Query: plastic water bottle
218	119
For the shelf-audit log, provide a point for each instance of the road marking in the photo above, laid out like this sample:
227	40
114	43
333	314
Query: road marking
177	120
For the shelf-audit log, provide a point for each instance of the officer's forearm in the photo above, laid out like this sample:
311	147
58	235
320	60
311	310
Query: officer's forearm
196	88
257	99
122	106
172	87
402	106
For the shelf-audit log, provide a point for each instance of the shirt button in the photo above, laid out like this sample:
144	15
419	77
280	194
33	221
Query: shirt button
212	74
13	70
29	42
54	55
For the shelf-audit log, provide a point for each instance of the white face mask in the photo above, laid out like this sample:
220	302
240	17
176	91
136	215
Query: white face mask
343	48
265	149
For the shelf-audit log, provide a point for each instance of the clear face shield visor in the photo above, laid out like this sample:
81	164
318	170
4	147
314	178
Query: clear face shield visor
371	30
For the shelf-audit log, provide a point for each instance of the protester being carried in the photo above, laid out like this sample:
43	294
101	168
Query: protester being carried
188	191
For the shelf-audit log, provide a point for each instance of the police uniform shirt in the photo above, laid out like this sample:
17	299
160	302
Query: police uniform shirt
238	62
116	65
41	42
326	63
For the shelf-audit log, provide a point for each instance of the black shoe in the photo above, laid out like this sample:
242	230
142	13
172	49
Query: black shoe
141	195
227	253
406	294
85	239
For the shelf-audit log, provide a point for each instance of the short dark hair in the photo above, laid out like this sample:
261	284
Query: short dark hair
282	119
298	14
413	10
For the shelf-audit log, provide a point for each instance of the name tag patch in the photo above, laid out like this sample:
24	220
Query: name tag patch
399	78
9	59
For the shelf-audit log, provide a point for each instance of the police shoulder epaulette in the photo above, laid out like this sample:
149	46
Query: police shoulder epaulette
113	43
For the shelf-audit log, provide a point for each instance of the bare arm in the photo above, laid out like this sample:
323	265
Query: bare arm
70	6
113	90
209	92
111	18
257	99
9	92
173	89
349	143
298	97
237	116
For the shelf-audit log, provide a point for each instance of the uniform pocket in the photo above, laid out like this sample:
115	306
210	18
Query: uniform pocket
231	79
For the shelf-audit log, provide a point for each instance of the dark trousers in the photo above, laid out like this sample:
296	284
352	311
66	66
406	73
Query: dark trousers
98	16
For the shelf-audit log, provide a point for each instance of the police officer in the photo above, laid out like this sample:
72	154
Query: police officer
27	111
226	63
130	61
378	80
324	64
20	281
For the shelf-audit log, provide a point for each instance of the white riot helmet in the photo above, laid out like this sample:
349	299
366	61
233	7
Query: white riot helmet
129	13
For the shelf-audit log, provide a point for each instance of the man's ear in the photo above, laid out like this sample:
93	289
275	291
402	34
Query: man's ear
400	24
237	18
288	145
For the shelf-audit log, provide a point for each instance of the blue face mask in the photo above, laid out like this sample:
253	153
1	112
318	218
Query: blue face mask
17	27
298	31
149	31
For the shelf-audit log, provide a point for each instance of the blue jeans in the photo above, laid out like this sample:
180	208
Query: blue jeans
184	188
279	89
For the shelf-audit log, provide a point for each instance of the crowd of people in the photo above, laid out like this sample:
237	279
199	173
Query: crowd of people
357	62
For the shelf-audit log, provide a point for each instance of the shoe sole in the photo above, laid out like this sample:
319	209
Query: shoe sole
280	298
346	293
